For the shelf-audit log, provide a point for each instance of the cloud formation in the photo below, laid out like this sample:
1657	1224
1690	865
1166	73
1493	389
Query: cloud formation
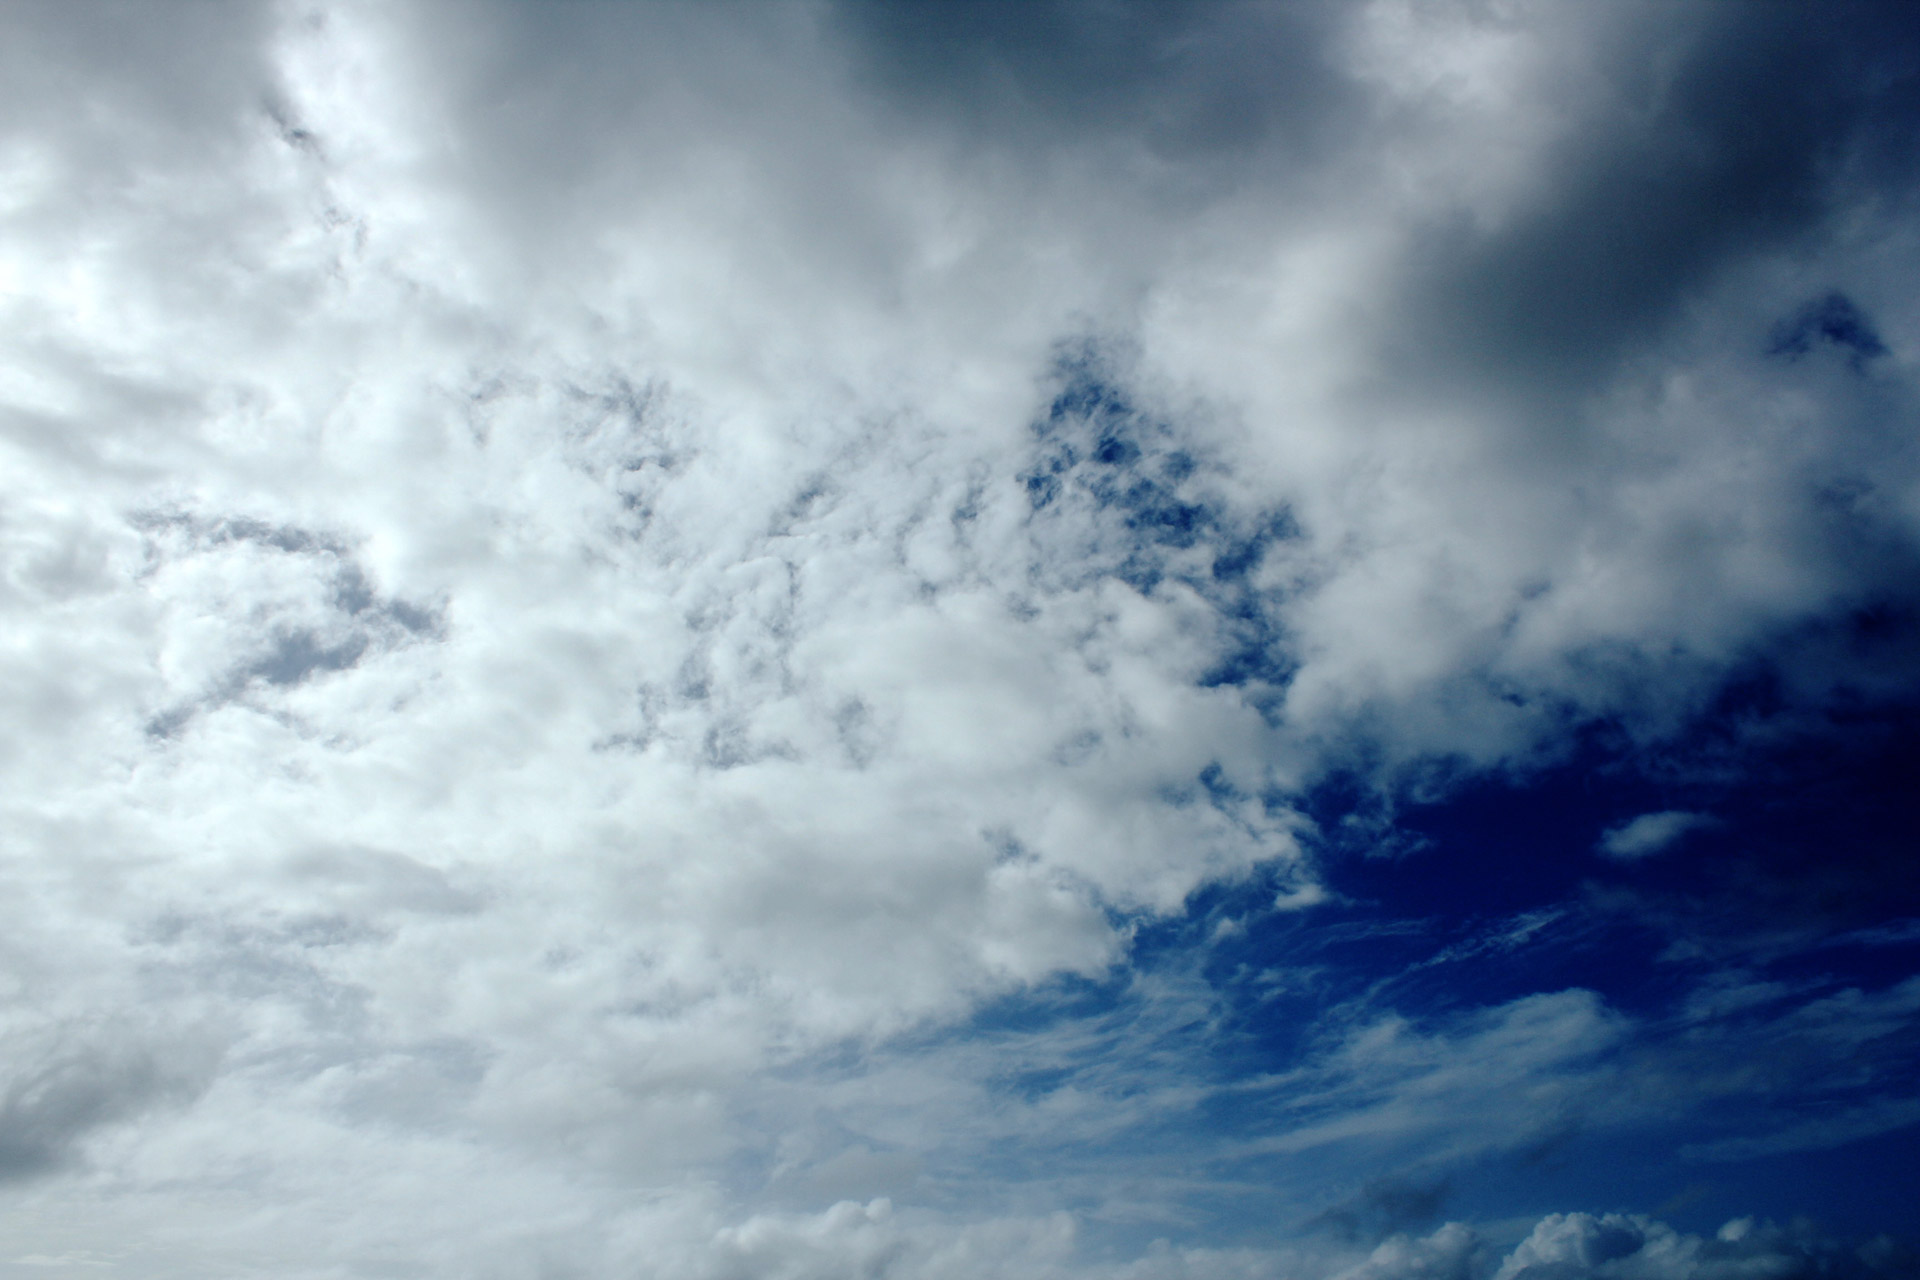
675	639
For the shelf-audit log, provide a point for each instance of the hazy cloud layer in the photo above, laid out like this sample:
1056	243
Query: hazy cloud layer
621	622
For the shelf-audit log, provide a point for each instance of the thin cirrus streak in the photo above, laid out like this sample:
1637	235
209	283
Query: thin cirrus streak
1144	640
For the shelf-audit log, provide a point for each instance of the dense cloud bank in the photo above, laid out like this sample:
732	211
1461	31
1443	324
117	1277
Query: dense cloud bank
796	639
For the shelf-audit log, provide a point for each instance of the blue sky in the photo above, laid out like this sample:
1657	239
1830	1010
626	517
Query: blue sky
1197	640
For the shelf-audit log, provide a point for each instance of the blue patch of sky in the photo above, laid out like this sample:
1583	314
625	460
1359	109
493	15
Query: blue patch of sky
1806	887
1137	503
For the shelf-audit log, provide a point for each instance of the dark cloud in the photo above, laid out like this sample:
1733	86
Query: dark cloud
1384	1207
1192	80
1832	320
68	1082
1717	133
165	80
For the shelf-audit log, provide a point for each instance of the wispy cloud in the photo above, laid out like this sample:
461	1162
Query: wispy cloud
1651	833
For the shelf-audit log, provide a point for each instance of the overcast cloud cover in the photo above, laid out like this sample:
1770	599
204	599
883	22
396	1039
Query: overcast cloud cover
1085	638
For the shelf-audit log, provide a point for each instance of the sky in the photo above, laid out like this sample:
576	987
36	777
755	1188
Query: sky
1069	640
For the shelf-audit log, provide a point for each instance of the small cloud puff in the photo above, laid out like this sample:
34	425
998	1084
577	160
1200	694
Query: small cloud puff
1652	833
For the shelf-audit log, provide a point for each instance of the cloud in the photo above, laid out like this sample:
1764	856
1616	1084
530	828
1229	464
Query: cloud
1451	1253
1651	833
1389	1081
1832	320
1581	1245
66	1083
585	584
1192	84
1384	1207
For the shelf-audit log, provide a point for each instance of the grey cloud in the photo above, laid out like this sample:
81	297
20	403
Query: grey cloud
67	1081
1832	320
165	82
854	1171
378	878
1384	1207
1191	80
298	655
1697	153
1533	316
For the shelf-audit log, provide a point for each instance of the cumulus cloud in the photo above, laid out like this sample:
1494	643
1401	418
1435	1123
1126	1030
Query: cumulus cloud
582	584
